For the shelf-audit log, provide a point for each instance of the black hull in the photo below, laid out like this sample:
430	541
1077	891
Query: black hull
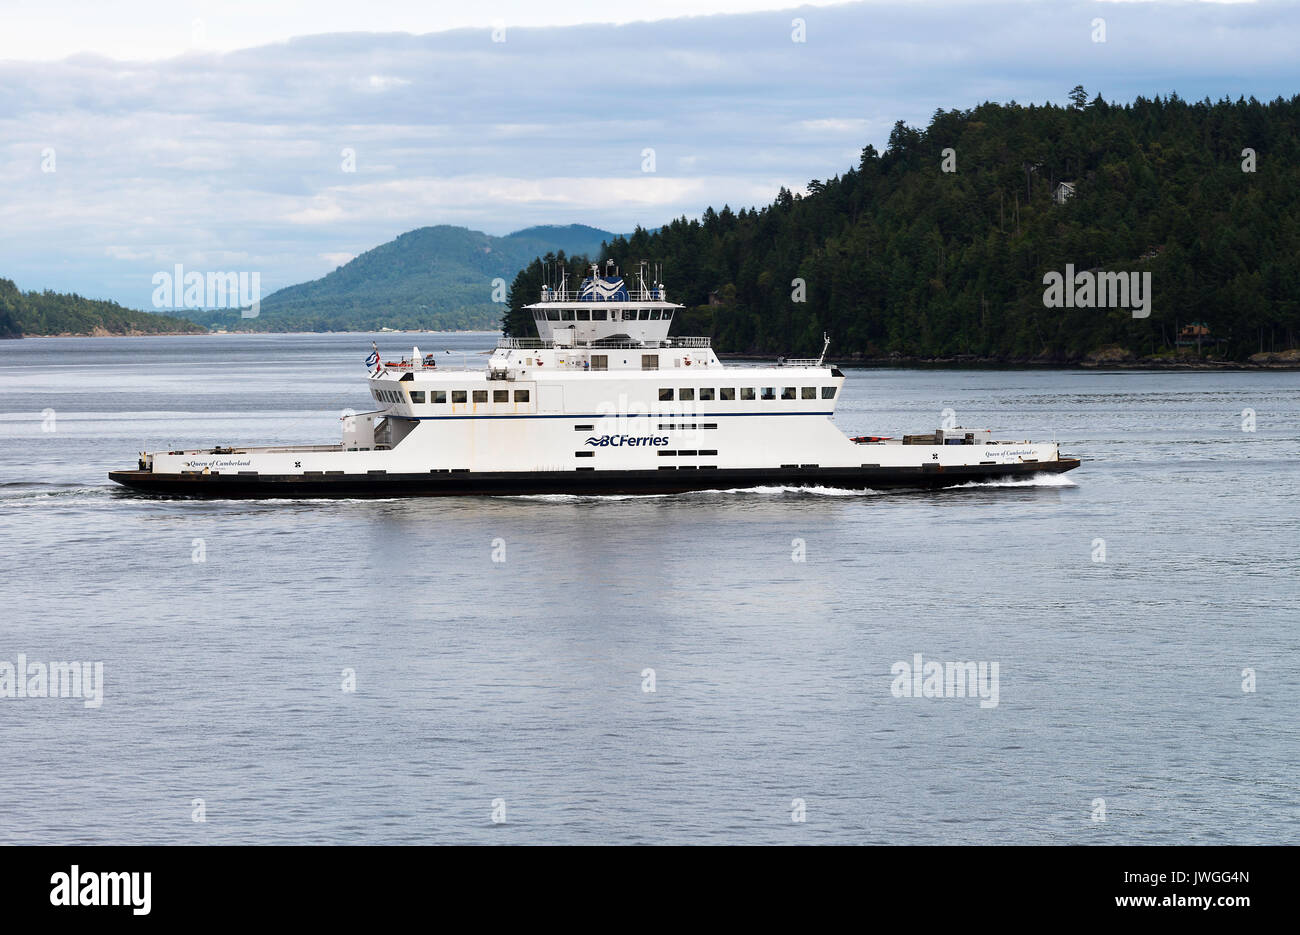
582	483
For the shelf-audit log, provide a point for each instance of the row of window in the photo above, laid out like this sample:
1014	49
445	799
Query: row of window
457	396
601	314
666	394
706	393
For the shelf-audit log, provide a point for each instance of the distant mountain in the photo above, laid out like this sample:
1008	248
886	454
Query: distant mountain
55	313
437	278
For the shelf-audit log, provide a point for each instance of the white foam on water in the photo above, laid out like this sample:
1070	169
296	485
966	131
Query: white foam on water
1033	480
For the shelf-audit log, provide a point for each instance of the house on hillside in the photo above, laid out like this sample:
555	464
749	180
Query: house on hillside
1064	191
1194	333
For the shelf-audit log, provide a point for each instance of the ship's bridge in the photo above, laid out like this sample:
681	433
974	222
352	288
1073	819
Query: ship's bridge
603	310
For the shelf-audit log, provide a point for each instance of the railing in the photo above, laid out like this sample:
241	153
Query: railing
574	295
798	362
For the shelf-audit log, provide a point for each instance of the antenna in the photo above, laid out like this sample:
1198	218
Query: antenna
825	347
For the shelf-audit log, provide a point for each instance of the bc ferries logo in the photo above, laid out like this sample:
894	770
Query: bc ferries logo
602	290
626	441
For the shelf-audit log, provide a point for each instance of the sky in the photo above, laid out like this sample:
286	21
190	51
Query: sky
285	138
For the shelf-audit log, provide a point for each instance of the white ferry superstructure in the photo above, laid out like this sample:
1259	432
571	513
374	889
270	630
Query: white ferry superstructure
602	401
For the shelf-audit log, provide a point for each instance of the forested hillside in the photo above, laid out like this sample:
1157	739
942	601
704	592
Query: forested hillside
430	278
45	313
902	258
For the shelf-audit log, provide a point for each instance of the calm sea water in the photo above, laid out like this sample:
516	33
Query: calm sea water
522	683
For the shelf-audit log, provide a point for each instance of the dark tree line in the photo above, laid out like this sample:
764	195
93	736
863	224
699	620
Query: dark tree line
900	257
61	313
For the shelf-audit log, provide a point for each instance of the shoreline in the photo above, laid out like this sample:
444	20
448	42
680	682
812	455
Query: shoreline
1280	360
1012	363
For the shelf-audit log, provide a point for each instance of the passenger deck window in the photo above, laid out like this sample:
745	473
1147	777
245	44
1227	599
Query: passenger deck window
706	393
828	392
521	396
809	392
437	396
746	392
480	396
665	394
500	396
417	396
686	394
769	392
788	392
727	392
459	396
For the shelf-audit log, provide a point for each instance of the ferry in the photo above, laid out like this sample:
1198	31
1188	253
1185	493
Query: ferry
603	401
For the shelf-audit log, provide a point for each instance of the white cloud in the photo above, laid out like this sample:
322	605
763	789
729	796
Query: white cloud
208	156
835	125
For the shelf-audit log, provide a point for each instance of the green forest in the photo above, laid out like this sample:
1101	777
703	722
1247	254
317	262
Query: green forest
938	247
44	313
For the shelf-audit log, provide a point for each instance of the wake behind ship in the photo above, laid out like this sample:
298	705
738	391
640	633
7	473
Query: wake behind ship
603	401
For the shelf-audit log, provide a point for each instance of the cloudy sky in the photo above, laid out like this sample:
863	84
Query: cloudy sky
285	138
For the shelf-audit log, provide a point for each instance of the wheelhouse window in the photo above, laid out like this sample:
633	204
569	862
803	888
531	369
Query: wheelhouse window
788	392
599	314
417	396
828	392
727	392
629	314
665	394
552	314
686	394
584	314
668	313
500	396
746	392
706	393
644	315
654	314
567	314
480	396
521	396
768	392
459	396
